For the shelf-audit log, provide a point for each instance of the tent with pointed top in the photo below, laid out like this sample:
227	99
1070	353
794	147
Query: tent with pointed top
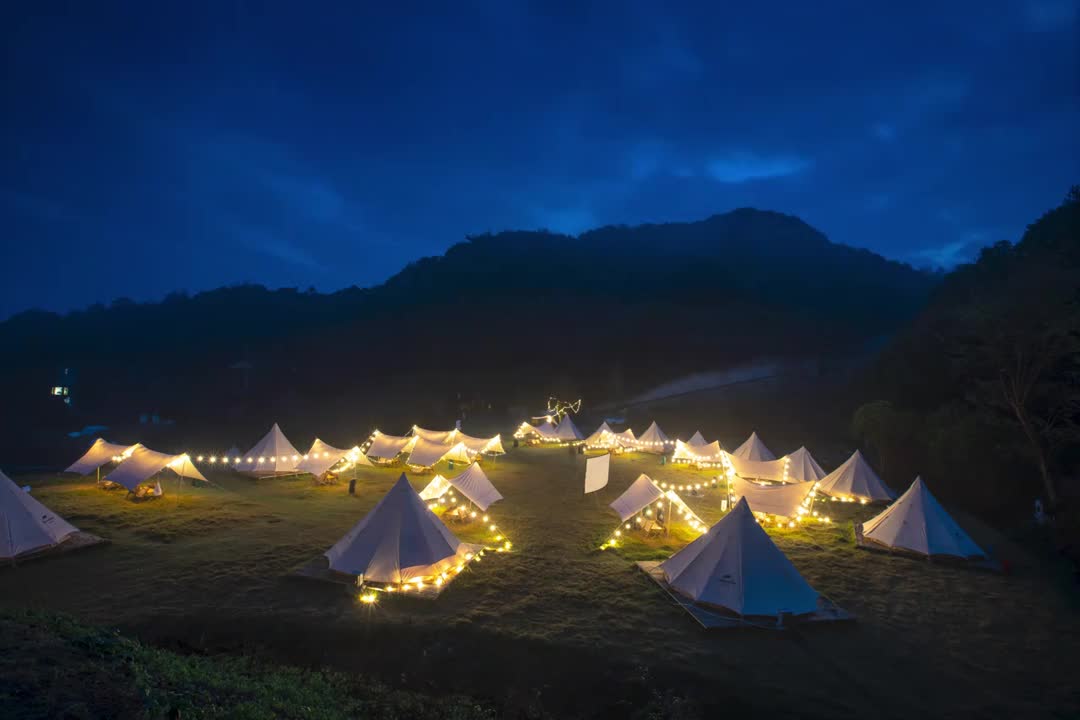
803	467
26	525
145	463
435	489
753	449
918	523
708	453
321	457
399	541
386	448
100	453
475	486
599	434
783	500
856	479
273	455
545	431
697	440
567	430
653	440
643	492
737	567
626	438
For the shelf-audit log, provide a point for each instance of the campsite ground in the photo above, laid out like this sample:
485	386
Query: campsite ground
558	626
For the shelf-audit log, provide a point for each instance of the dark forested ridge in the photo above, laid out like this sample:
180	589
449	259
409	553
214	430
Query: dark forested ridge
982	392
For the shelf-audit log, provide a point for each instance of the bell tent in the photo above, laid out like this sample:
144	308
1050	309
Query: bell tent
918	523
802	467
855	479
567	431
753	449
27	526
653	440
273	455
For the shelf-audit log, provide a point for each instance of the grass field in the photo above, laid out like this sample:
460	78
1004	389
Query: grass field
558	627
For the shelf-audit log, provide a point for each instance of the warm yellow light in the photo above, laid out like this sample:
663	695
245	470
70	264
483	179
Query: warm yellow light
472	514
261	459
618	533
199	459
213	459
368	598
485	518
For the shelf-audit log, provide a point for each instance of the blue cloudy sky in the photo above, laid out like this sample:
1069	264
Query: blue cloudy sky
151	147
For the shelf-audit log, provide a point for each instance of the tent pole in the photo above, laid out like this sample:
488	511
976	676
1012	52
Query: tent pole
667	518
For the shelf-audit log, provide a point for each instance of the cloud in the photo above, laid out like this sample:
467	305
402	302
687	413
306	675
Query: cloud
950	254
743	167
276	247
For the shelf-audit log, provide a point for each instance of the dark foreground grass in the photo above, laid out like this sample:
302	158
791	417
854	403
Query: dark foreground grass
557	627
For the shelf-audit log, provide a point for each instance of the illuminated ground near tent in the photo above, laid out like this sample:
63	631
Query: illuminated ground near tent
207	569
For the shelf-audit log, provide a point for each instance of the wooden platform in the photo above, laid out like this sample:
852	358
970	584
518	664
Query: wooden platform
712	620
78	541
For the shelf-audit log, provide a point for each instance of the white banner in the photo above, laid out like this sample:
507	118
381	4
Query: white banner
596	472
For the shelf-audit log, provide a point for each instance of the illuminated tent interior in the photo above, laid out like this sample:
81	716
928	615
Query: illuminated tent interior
400	541
321	458
473	483
774	470
386	448
709	453
643	494
27	526
783	500
425	453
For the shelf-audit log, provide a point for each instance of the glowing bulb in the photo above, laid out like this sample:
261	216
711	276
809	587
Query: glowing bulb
368	598
199	459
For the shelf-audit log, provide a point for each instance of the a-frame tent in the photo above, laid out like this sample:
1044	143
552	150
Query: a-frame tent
917	523
400	541
27	526
736	567
273	455
754	449
856	480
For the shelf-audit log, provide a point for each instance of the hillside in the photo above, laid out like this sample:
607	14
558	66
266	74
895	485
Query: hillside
610	312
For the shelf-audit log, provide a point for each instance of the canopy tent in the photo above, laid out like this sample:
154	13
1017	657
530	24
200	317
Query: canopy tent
737	567
855	479
545	431
399	541
803	467
918	523
642	493
567	430
626	438
387	447
783	500
100	453
435	436
697	454
697	440
25	524
485	446
474	485
596	472
775	470
145	463
273	455
653	440
753	449
321	457
425	453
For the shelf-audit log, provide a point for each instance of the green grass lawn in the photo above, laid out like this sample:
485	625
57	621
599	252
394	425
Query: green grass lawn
557	626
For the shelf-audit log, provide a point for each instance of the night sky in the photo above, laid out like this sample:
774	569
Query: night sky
150	147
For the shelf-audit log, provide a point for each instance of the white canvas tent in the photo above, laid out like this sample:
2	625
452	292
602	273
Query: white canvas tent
567	430
626	438
273	455
435	436
697	454
599	435
387	447
737	567
435	489
545	431
321	457
855	479
653	440
145	463
100	453
485	446
753	449
783	500
918	523
425	453
697	440
26	525
775	470
399	541
474	485
802	467
643	492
